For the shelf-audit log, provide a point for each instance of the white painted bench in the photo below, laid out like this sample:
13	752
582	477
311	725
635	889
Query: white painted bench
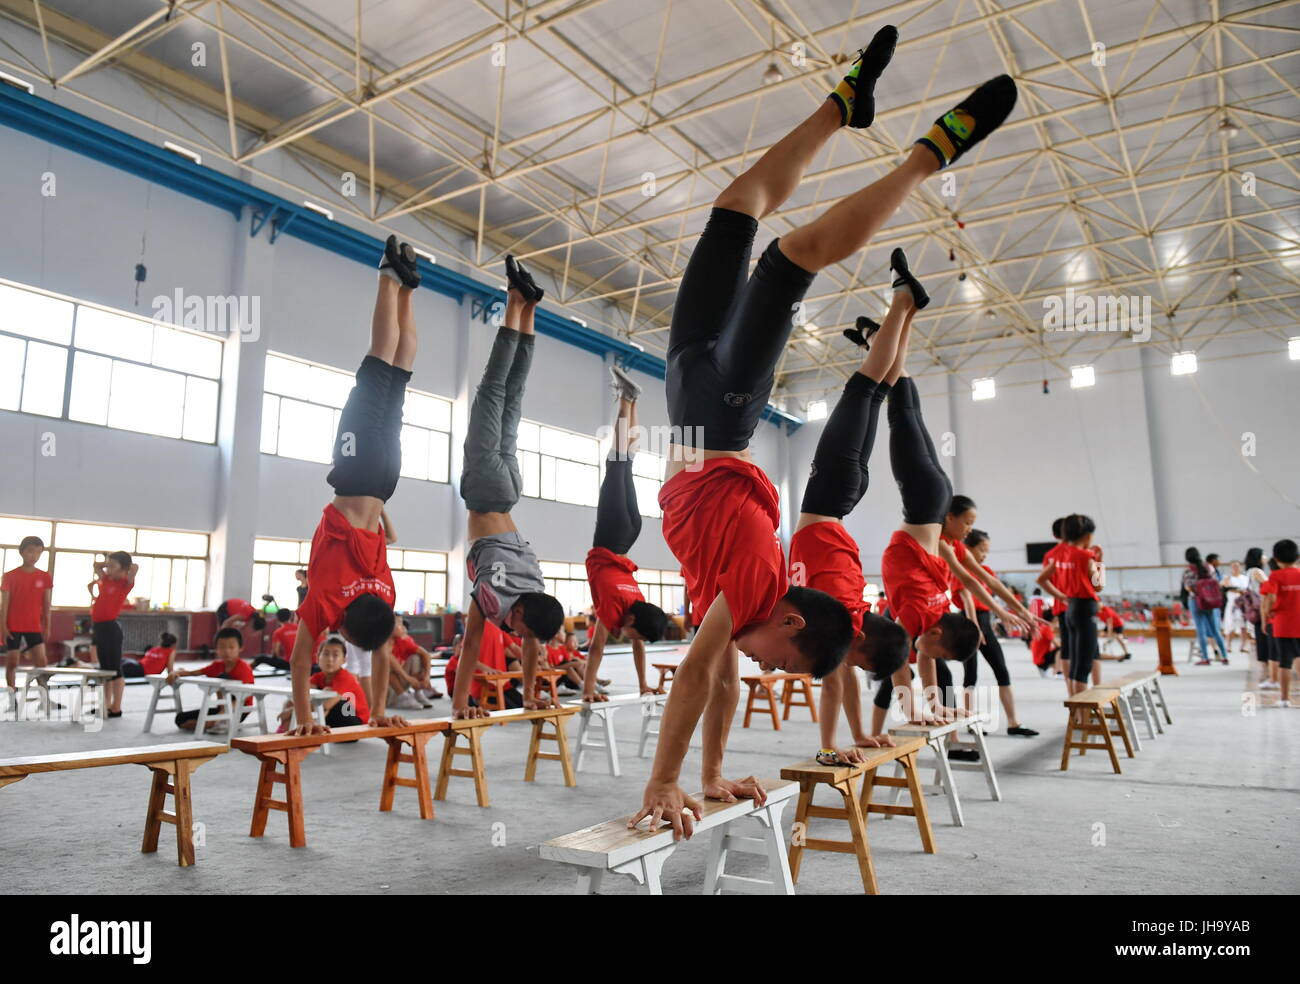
89	679
610	848
652	711
939	738
223	700
601	713
1142	699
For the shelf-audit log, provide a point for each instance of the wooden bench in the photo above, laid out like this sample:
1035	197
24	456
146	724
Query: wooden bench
281	757
638	854
762	690
471	730
941	737
171	766
1092	712
666	671
39	677
495	685
843	779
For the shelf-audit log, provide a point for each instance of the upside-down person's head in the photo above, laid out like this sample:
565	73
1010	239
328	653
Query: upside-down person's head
807	632
536	614
645	621
954	636
229	644
882	645
368	622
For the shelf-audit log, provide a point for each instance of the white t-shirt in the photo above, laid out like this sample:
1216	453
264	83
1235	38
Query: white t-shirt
358	660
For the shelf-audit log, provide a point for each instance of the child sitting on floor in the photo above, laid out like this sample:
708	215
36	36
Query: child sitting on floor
159	659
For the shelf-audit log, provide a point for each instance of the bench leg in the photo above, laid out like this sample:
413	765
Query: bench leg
1154	724
645	871
389	786
772	706
265	794
480	771
1069	739
584	723
799	831
153	816
153	703
1130	724
589	880
1121	725
858	831
184	809
293	796
420	755
566	761
445	764
749	705
534	747
918	803
977	732
1104	725
947	781
262	726
1160	698
611	745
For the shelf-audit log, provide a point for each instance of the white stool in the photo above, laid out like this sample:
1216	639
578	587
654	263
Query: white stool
652	710
157	682
939	738
589	738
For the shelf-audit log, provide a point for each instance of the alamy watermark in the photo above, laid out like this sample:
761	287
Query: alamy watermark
1098	312
219	314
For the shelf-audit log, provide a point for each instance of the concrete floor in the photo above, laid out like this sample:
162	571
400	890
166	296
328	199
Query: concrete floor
1211	807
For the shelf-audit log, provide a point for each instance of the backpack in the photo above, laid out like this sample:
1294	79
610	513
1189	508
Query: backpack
1208	594
1248	605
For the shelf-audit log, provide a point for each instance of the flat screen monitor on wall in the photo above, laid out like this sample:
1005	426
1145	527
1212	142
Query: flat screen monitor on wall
1034	552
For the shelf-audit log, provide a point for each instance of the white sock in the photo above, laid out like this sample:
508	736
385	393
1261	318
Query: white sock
902	285
391	274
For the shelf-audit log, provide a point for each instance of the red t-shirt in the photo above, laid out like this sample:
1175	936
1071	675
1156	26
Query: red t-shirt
346	562
1110	616
243	673
824	556
110	599
155	660
404	648
343	684
881	604
1057	578
26	598
286	635
1041	644
979	605
720	522
613	588
955	587
1284	584
555	655
492	653
1072	564
916	583
238	608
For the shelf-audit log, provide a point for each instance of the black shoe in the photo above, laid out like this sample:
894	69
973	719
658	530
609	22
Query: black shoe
113	714
1022	732
522	281
401	259
898	263
963	755
874	57
971	120
861	335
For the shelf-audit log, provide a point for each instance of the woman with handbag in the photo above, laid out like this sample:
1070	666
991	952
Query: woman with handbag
1204	599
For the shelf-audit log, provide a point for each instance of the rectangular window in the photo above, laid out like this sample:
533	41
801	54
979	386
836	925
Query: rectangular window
559	465
173	564
302	404
127	372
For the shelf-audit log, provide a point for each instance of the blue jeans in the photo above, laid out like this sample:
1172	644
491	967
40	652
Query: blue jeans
1207	625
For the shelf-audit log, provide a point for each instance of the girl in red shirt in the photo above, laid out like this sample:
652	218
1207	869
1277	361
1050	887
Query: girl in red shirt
1075	568
115	577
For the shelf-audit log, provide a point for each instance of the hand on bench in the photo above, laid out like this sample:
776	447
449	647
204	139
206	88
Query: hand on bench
664	802
468	713
540	703
875	741
388	721
728	791
308	729
594	698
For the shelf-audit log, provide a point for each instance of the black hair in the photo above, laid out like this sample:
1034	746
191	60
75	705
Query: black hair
1285	551
334	639
827	631
284	614
543	615
1056	527
230	632
406	623
885	644
1076	526
1254	558
300	570
975	537
960	504
122	557
368	621
961	636
31	541
1192	556
1037	592
167	640
259	621
649	620
1212	559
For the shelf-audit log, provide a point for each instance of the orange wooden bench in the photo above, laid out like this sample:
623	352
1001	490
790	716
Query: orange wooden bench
472	730
494	699
762	691
171	766
281	757
666	671
1092	712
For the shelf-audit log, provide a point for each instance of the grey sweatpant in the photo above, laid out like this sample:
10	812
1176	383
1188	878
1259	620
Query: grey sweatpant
490	480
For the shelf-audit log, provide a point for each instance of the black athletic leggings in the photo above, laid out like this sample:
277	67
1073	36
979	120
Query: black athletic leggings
922	483
728	332
885	691
618	520
992	650
1263	644
1082	617
838	476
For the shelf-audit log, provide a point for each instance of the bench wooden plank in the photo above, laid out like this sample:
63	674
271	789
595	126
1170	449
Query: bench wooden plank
260	744
143	755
